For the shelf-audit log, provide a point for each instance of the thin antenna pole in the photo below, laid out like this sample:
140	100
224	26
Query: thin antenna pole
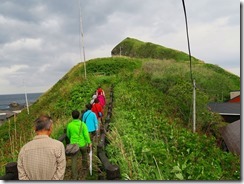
194	106
192	80
188	40
26	100
82	39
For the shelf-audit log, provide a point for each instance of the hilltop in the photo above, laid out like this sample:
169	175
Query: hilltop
151	122
132	47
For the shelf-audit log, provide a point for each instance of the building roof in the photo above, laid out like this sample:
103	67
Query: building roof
226	108
232	136
2	116
6	114
236	99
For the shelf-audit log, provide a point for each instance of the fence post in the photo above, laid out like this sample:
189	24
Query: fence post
12	168
11	171
67	141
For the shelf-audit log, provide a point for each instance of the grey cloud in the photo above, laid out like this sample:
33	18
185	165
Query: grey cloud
51	29
20	10
208	10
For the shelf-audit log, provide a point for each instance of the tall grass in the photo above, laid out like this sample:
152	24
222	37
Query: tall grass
148	139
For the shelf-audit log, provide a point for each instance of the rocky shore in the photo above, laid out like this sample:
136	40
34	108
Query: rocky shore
14	108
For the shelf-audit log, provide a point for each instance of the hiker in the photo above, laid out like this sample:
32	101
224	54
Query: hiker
100	90
97	109
94	96
77	133
90	119
101	99
43	158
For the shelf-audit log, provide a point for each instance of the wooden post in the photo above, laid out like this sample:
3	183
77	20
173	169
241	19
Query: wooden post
67	141
11	172
112	171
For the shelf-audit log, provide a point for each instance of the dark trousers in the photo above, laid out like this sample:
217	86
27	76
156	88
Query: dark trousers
74	158
93	136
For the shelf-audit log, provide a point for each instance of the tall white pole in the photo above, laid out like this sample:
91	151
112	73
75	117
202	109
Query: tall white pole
82	39
194	106
26	100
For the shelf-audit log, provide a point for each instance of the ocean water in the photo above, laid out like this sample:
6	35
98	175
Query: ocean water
5	100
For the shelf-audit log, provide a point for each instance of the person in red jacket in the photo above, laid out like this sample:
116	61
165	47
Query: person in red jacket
97	109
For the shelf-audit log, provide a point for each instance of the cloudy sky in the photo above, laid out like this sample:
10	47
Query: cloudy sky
39	39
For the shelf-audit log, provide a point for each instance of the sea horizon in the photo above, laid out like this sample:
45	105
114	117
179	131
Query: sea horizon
21	93
7	99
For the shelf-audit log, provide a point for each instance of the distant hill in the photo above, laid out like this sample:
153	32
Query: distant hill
135	48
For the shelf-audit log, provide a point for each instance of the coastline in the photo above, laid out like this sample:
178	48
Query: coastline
12	104
5	114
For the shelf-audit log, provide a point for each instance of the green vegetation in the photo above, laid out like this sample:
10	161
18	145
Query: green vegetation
151	130
148	139
69	93
136	48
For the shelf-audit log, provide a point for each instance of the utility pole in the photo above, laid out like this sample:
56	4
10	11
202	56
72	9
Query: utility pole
82	40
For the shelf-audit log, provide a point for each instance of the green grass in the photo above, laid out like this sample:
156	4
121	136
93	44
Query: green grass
135	48
150	144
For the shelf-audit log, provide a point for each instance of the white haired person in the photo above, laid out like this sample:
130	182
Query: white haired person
94	96
43	158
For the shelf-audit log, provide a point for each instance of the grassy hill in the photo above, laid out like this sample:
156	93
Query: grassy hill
135	48
150	136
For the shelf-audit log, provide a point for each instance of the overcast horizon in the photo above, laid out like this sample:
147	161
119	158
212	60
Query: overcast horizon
40	40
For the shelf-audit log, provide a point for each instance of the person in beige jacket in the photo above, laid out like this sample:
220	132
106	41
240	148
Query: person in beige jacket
43	158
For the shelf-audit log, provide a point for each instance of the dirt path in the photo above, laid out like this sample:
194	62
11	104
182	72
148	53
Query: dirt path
84	174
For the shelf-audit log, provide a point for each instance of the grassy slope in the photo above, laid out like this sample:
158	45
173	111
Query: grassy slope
135	48
166	79
149	144
69	93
